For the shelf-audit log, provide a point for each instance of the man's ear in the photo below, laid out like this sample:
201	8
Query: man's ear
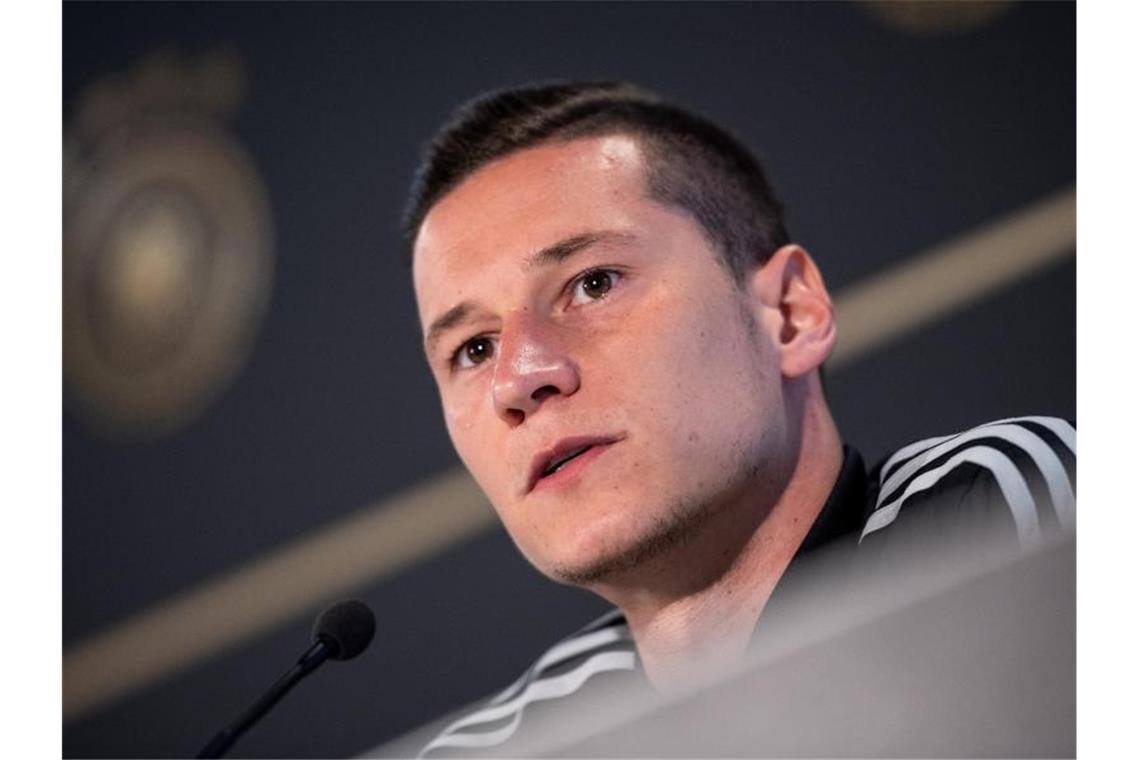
796	307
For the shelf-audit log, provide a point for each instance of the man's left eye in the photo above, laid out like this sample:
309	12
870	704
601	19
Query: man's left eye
594	285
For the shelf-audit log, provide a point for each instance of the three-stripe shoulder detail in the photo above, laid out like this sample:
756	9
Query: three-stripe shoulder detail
603	646
1046	443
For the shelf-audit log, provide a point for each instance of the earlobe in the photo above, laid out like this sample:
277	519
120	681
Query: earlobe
792	293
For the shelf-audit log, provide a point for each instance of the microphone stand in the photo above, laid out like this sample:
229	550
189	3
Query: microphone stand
309	661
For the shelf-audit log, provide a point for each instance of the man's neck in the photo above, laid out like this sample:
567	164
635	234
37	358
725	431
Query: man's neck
684	632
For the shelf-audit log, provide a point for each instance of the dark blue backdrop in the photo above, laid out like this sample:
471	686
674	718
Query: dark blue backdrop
882	143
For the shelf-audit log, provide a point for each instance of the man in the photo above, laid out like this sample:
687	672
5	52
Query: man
628	348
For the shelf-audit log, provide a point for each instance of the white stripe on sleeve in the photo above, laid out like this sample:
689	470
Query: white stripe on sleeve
542	689
1009	480
1022	437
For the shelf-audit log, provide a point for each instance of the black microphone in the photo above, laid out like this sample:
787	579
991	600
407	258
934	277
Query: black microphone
341	632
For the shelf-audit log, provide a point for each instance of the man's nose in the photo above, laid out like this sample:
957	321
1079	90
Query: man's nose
533	367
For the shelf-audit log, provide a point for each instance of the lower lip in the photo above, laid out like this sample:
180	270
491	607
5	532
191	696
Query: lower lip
572	469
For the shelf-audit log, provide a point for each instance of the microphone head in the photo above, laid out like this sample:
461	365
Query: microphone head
346	628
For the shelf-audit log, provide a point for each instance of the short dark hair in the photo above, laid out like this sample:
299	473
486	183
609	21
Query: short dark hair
691	162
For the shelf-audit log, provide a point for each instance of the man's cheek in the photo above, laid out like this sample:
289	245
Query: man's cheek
460	413
463	429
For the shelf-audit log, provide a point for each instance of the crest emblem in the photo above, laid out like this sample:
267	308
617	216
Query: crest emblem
167	246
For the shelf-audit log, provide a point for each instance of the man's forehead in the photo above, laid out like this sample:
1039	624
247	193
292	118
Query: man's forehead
547	172
524	202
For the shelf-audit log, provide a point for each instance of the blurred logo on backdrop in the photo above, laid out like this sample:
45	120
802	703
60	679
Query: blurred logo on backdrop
934	17
167	260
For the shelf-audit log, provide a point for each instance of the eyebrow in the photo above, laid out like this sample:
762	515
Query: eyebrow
567	247
547	257
449	319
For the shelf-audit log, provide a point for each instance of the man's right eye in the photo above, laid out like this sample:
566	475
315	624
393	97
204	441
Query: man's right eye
473	352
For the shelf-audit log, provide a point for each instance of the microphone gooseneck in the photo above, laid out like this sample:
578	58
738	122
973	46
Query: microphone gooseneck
341	632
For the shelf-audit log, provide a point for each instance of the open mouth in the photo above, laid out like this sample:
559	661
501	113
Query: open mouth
558	463
573	453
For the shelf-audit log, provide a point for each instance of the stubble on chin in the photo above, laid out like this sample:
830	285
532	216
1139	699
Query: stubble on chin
677	527
670	532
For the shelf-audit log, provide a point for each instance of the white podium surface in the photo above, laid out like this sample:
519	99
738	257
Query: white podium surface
974	660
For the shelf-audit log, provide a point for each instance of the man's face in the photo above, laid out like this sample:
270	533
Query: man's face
566	313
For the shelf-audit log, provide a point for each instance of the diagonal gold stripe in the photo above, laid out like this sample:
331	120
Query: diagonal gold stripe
390	535
369	545
953	275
